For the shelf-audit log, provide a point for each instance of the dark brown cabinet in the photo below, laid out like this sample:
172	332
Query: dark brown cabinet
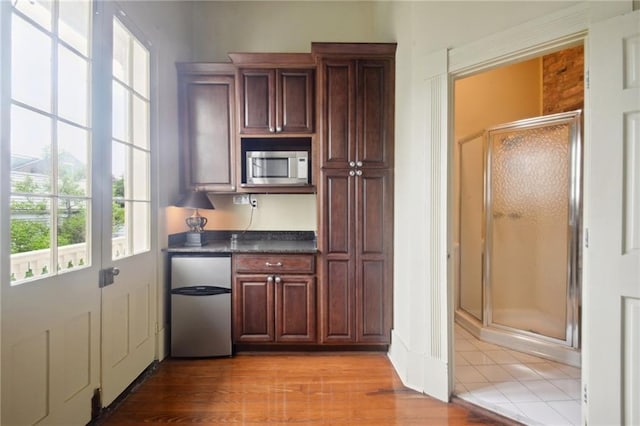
356	192
276	101
207	125
274	299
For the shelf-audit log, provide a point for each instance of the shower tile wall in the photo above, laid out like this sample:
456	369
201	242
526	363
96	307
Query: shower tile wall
523	387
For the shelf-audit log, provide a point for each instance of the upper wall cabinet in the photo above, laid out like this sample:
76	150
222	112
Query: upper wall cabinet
275	93
357	105
207	125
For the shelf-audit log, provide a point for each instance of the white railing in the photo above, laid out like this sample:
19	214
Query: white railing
69	257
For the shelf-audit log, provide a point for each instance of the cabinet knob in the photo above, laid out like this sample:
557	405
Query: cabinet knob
272	130
278	129
359	164
271	265
359	172
352	163
278	280
352	173
269	279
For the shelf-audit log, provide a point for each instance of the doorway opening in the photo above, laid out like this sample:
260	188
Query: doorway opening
517	323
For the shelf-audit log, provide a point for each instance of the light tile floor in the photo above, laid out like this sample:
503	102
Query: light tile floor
525	388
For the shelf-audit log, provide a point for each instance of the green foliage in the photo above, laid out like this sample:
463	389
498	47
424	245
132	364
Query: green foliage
29	235
72	229
31	214
118	216
117	186
28	185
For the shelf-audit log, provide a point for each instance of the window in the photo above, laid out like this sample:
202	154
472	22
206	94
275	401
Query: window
50	137
130	153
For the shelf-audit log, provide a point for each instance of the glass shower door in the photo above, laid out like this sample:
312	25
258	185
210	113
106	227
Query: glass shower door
532	214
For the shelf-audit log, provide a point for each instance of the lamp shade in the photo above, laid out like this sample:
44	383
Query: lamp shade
195	200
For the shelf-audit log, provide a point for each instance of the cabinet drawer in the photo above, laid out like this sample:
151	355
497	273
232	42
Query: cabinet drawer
275	263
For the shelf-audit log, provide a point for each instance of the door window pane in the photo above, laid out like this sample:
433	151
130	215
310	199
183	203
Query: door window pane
72	233
30	237
131	156
120	112
140	122
50	137
121	52
141	231
140	170
121	223
73	160
140	69
38	10
73	86
30	151
30	65
74	23
119	170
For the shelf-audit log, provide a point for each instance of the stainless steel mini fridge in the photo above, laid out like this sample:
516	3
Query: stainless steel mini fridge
200	306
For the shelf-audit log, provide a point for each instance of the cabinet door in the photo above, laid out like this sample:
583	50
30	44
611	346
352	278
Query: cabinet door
257	101
374	113
295	308
337	291
294	112
253	313
374	238
207	125
338	111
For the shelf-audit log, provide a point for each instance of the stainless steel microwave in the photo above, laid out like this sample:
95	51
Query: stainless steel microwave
277	168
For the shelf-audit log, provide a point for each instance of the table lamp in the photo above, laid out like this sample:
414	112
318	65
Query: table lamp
196	223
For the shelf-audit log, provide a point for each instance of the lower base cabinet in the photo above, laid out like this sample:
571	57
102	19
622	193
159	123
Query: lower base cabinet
274	299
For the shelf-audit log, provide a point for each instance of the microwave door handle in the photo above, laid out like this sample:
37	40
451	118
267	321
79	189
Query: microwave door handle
293	167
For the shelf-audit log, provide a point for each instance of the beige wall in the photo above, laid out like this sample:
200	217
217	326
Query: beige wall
498	96
275	212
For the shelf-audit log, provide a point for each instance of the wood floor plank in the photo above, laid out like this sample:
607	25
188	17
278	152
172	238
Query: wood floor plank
277	389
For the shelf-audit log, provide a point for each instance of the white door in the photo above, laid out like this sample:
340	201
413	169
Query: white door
50	295
128	298
63	337
612	216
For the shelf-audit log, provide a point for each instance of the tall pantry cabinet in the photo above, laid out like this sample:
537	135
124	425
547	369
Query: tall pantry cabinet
355	193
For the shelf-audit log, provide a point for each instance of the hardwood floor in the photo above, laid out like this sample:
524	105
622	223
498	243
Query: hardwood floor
270	389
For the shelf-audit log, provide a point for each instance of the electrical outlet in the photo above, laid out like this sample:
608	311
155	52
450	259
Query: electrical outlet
254	203
241	199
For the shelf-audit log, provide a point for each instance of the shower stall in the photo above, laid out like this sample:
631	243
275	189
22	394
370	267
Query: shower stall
518	235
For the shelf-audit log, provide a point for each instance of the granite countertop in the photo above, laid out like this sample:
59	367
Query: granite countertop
249	242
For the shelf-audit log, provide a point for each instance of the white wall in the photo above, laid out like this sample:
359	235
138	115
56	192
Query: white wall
276	26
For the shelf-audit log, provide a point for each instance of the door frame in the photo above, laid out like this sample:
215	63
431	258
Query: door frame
566	28
421	349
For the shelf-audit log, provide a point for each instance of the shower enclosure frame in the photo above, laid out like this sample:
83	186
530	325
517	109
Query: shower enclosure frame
564	350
